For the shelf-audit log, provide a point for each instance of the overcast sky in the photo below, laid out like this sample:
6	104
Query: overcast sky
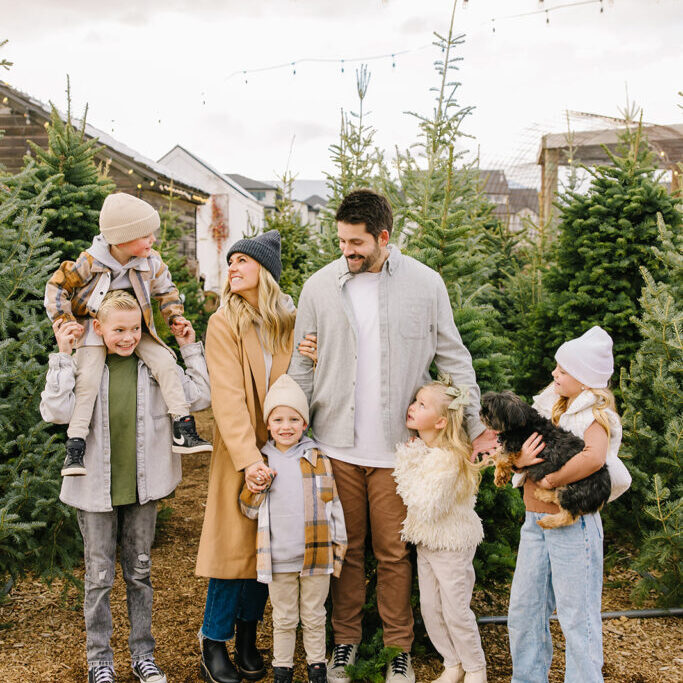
156	73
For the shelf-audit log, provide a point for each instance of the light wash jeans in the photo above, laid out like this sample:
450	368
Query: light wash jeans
136	524
557	567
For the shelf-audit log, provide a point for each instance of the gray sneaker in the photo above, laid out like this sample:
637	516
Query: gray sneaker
101	673
342	656
400	669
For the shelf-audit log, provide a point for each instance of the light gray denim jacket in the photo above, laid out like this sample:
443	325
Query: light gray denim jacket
416	328
158	469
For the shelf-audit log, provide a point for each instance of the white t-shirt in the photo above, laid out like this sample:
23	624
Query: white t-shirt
370	448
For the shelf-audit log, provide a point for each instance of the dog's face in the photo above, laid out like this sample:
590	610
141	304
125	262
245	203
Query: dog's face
504	411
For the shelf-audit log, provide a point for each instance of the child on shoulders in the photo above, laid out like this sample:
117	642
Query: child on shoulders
438	484
301	537
130	465
120	258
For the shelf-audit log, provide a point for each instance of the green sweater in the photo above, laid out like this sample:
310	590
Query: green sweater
123	383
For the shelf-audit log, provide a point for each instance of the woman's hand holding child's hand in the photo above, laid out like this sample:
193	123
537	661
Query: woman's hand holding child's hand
258	477
67	332
529	453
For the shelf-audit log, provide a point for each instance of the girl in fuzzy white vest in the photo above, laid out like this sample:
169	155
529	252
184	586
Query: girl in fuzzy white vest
438	484
562	568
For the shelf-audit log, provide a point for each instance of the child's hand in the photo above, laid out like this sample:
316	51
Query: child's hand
185	334
179	324
530	450
66	334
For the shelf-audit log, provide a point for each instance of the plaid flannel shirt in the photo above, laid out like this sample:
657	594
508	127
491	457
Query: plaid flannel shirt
324	529
75	291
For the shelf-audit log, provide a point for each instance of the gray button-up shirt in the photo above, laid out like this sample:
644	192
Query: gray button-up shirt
416	328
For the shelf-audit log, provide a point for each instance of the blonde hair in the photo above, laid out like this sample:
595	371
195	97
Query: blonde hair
275	321
117	300
604	403
453	437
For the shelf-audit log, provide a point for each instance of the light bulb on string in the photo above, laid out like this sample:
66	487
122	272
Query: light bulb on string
393	61
293	69
493	27
602	7
245	77
342	66
547	17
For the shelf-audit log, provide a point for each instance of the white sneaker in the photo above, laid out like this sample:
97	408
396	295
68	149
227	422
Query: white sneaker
400	669
476	676
342	656
451	674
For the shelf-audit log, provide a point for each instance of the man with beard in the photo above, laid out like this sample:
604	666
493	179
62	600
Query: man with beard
381	318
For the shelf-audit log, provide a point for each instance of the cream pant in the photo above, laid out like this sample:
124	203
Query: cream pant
90	365
293	596
446	579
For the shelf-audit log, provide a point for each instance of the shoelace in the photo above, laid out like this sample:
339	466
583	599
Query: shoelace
148	668
342	654
399	665
104	674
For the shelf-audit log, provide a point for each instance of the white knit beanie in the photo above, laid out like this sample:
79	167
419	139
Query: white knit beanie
285	392
124	218
588	359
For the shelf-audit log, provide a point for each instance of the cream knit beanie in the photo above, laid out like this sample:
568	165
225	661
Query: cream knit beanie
124	218
285	392
588	359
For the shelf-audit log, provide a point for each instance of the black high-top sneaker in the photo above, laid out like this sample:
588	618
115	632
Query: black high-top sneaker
73	463
283	674
185	437
317	672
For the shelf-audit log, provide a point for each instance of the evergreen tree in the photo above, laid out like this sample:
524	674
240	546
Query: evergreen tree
37	532
446	222
298	244
605	236
191	293
77	187
358	164
653	428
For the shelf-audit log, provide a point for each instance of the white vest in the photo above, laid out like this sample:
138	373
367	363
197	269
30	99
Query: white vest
576	419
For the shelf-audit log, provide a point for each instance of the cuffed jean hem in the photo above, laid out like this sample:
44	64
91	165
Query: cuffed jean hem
140	658
100	662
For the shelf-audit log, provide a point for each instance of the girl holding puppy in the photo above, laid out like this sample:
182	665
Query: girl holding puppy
562	567
438	484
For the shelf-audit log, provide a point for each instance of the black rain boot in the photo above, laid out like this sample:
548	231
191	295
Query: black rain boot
247	658
216	666
283	674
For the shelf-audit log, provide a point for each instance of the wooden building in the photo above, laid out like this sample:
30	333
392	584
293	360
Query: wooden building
24	118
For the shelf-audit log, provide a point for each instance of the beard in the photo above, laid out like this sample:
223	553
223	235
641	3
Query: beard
362	264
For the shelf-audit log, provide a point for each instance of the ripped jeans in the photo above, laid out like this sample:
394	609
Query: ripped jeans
135	526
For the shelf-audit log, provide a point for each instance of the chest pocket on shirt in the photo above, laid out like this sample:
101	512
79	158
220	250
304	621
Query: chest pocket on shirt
415	317
323	485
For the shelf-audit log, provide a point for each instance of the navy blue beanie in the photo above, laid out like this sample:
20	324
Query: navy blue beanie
263	248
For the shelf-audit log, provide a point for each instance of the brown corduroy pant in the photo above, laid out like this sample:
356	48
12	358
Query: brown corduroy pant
369	494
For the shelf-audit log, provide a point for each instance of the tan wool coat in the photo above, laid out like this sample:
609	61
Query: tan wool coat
227	548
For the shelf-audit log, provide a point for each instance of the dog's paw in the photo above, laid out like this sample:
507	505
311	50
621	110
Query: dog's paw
546	495
561	518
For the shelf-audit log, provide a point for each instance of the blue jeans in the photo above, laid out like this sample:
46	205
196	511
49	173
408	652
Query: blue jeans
231	599
136	525
557	568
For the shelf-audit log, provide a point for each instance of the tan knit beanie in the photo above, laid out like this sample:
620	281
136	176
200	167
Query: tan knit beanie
285	392
124	218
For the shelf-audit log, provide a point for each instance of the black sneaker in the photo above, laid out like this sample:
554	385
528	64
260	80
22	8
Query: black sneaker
317	672
283	674
73	463
102	673
148	672
185	437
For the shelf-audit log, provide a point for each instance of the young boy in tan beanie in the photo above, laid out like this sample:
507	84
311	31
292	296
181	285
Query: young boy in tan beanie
301	537
120	257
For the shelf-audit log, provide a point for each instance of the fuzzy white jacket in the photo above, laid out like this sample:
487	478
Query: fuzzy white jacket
440	513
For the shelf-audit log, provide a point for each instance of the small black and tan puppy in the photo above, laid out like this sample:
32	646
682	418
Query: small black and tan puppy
515	421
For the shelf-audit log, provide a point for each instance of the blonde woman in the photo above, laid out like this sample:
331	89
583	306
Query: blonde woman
438	484
248	346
